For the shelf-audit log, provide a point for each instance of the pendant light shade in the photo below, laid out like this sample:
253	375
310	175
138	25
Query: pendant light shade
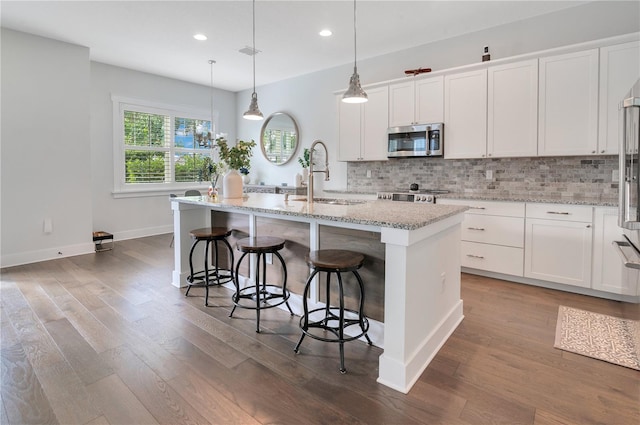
254	111
355	93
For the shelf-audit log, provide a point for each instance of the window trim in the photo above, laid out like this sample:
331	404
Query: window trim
121	189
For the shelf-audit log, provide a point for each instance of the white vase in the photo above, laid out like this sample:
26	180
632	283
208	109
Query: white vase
232	185
246	179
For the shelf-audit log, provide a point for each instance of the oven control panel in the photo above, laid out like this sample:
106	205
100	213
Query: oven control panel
422	198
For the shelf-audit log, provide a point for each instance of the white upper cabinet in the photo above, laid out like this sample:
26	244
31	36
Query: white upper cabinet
568	97
512	116
418	101
363	127
619	70
465	115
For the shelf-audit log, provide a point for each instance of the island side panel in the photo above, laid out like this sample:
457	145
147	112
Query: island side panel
372	272
422	298
186	217
239	225
296	234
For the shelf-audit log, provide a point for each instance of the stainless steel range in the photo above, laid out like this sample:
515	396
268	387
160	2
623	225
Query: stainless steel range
423	196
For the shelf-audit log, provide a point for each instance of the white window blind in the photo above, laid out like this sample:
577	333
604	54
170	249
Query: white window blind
158	147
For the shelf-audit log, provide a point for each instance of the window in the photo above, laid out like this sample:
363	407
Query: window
158	147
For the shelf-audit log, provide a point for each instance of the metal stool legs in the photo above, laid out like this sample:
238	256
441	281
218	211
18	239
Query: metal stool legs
261	292
332	314
207	277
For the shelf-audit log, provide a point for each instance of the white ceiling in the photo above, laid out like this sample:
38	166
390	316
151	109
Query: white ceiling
157	36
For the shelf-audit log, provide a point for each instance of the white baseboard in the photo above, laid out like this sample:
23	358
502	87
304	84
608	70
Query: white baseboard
47	254
35	256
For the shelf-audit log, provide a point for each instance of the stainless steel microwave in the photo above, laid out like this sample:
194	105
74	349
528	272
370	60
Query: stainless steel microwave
416	140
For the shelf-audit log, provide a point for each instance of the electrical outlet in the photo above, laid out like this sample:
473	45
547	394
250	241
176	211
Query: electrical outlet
489	174
368	174
615	177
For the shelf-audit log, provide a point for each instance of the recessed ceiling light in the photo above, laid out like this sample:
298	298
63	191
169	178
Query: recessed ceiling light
200	37
325	33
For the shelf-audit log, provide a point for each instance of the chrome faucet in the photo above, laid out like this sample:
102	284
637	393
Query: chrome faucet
311	170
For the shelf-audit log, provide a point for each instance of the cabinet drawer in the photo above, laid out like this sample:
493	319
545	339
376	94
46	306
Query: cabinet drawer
509	209
508	231
560	212
493	258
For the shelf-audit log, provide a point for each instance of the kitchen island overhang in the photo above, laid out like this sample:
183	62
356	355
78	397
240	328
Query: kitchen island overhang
422	304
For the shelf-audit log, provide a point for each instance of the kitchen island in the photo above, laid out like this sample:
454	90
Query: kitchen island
422	304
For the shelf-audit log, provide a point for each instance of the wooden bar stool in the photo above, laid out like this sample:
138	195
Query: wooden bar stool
261	295
330	322
217	275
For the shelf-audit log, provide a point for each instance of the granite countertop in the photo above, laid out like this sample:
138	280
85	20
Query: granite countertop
397	215
595	200
600	201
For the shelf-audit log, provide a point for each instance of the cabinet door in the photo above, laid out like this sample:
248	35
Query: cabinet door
375	123
619	70
401	107
568	120
512	116
350	129
465	115
608	270
558	251
429	100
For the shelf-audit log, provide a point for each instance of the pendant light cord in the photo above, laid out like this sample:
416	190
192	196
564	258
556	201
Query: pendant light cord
212	62
355	44
254	47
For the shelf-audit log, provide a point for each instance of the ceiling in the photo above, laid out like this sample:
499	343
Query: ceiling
157	36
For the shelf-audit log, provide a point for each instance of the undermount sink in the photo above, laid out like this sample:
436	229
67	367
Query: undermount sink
330	201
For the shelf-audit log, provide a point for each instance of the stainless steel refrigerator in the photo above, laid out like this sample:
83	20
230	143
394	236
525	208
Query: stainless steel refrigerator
629	189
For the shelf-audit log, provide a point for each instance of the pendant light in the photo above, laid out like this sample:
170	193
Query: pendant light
254	112
354	93
202	139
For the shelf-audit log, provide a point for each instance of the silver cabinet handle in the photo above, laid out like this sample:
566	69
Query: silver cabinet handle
558	212
475	256
477	208
476	228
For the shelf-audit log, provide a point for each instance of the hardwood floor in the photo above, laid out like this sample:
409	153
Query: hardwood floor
105	339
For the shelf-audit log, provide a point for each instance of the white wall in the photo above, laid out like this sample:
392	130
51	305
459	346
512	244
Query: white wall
149	213
311	101
45	148
57	126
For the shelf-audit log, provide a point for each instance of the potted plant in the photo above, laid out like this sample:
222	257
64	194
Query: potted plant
235	158
209	171
304	159
304	162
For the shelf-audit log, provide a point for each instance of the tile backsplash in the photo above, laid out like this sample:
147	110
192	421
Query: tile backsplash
576	177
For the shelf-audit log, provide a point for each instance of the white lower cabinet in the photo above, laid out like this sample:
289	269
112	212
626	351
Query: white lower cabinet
492	236
609	274
492	258
558	243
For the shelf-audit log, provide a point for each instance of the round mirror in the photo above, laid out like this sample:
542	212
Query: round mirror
279	138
